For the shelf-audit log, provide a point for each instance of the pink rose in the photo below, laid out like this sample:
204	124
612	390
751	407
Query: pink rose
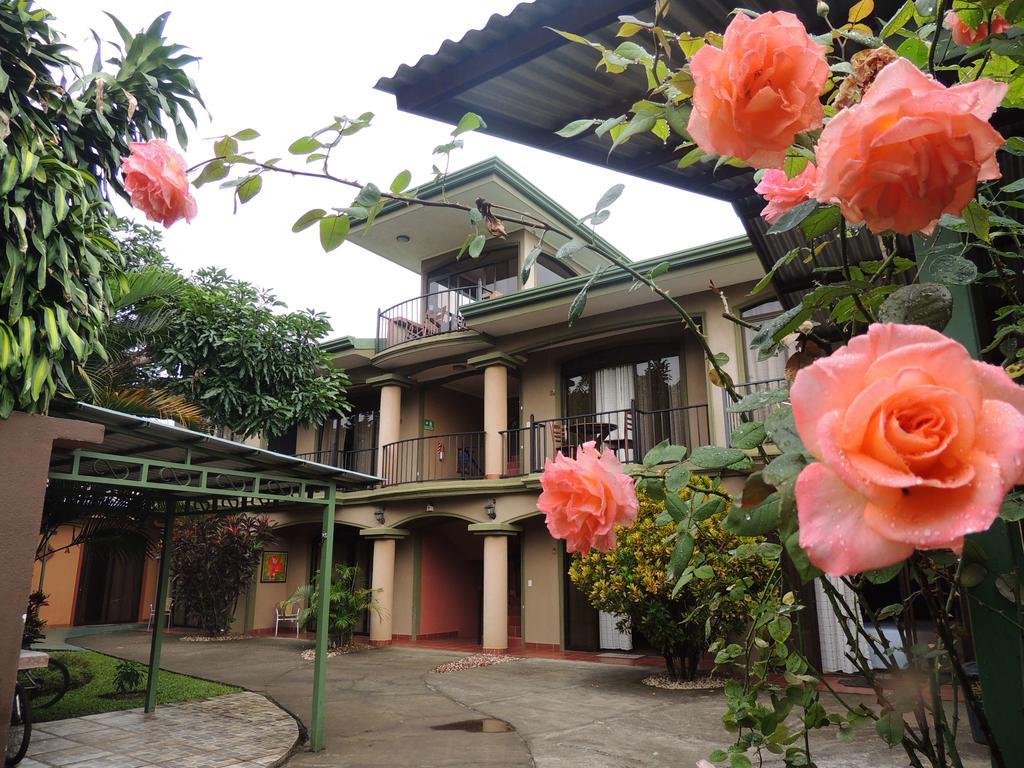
154	175
918	445
585	498
783	193
965	35
755	94
911	151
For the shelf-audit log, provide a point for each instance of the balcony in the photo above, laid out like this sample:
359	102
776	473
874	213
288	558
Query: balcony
432	314
629	433
364	460
733	420
457	456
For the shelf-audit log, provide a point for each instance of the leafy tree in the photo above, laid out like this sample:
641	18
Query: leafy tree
32	632
348	602
215	558
253	368
634	580
64	132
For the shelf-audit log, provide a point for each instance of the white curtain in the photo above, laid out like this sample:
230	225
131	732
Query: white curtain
834	645
611	638
614	390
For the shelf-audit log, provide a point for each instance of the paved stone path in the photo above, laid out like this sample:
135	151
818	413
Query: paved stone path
238	730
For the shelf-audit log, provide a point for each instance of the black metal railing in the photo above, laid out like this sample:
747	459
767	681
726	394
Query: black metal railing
434	457
429	315
515	452
363	460
630	432
733	420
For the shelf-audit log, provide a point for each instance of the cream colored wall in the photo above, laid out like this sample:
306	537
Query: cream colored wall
401	611
541	589
410	423
297	542
452	411
305	439
539	387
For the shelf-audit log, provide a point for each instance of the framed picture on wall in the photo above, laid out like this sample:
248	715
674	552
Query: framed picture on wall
274	567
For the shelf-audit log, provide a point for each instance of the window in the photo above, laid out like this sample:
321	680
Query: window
549	270
762	370
495	273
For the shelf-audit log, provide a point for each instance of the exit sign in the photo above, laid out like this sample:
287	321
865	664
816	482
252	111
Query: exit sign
428	425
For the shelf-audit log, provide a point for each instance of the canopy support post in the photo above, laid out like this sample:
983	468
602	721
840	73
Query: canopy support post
160	608
316	737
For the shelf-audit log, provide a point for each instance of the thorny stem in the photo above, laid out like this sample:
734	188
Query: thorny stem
939	13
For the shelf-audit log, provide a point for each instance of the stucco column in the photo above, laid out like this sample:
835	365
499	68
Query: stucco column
495	366
495	583
382	581
389	425
26	443
495	417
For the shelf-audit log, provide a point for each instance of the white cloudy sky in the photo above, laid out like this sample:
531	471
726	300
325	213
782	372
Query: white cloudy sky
285	69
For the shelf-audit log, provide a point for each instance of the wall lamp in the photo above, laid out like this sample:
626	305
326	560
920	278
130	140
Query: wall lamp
489	508
378	515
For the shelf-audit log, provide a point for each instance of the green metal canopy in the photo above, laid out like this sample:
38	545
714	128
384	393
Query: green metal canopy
193	473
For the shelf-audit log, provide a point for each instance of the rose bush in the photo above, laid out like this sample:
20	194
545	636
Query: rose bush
964	34
585	498
910	151
918	445
755	94
155	177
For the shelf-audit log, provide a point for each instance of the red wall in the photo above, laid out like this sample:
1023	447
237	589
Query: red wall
449	589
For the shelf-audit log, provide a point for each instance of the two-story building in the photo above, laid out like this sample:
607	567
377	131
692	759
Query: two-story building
470	386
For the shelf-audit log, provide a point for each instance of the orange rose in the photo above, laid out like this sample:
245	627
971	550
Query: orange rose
784	193
911	151
583	499
964	34
752	97
918	445
154	175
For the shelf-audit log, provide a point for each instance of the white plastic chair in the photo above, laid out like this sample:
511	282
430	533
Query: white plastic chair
167	610
285	612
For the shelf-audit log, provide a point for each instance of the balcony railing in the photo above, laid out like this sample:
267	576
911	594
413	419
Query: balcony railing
434	457
630	433
733	420
429	315
363	460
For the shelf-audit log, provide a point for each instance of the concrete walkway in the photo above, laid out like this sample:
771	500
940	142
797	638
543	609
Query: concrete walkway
239	730
386	707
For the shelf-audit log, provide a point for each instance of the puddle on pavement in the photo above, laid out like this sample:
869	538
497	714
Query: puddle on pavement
486	725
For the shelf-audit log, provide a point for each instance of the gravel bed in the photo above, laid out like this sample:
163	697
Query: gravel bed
475	661
700	684
210	638
310	653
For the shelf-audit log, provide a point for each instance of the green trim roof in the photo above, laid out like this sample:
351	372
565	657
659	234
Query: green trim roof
345	343
733	246
495	166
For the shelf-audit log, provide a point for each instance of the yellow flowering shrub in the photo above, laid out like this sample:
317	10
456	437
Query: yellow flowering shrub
633	580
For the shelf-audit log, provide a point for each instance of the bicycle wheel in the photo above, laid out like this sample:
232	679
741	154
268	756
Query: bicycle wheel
58	670
21	728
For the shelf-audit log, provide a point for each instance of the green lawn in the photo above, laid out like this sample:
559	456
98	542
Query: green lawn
92	676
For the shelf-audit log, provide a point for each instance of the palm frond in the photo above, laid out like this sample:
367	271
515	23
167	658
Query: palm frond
152	401
149	283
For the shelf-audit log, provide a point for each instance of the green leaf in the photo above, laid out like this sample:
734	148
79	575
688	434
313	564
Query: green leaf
977	220
570	248
764	281
681	555
793	217
609	197
580	302
470	121
659	270
781	430
247	134
952	269
333	231
755	521
714	457
476	245
308	219
756	400
401	182
899	20
663	452
225	146
884	575
710	508
576	127
780	628
821	221
368	196
1014	145
304	146
250	188
929	304
890	727
641	123
677	478
213	171
531	259
747	435
704	572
